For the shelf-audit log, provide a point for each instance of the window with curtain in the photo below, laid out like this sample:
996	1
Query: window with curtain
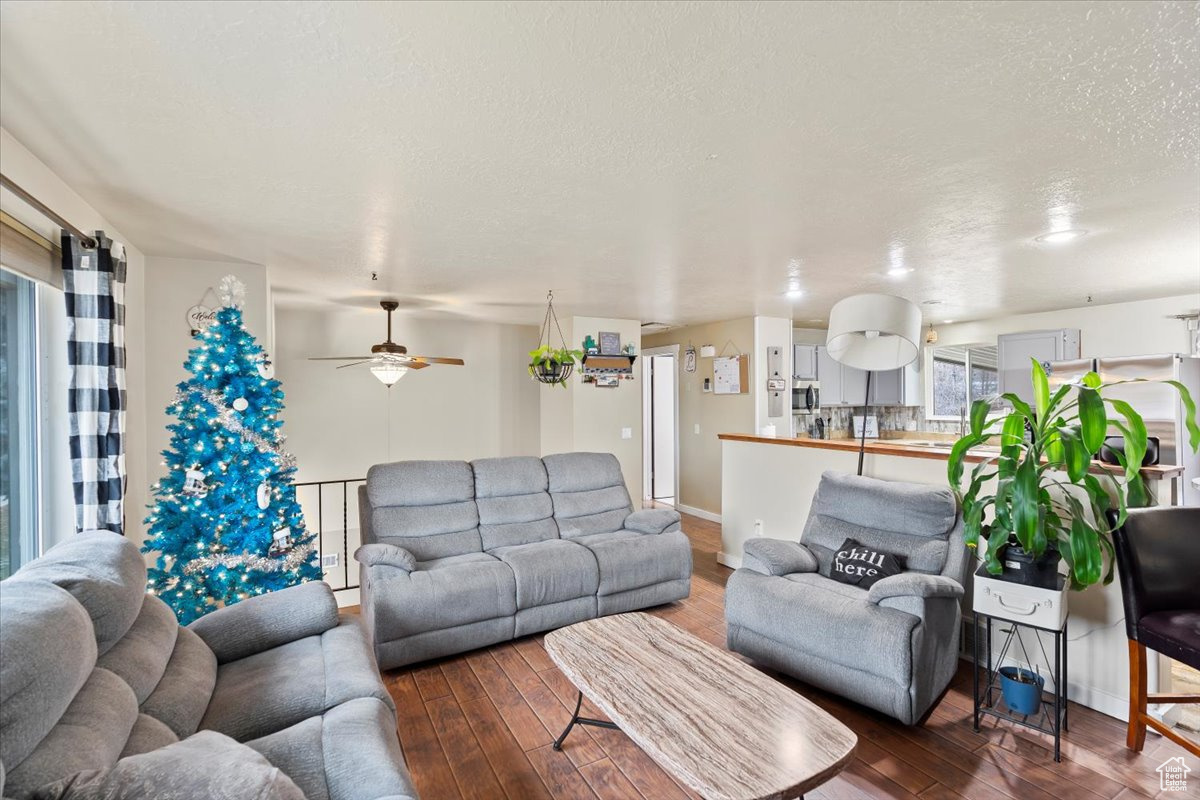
19	421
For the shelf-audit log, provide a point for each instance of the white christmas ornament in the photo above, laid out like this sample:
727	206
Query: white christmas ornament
193	484
266	370
231	291
264	495
281	541
240	404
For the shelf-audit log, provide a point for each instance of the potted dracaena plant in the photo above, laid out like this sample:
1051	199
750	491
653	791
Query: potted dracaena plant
1046	501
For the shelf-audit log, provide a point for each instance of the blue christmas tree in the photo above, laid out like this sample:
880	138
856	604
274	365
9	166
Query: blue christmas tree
226	524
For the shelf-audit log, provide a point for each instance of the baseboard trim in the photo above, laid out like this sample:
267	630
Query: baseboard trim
698	512
729	560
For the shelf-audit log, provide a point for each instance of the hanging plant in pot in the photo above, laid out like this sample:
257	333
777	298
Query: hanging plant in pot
548	364
1045	502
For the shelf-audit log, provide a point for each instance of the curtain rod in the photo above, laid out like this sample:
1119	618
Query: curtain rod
46	211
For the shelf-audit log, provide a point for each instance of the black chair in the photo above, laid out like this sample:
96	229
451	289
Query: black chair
1158	556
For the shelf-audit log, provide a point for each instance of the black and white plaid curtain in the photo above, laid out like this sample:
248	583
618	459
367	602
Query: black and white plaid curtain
94	283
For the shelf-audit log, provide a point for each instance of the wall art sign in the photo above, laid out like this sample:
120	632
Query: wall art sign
689	360
610	343
200	317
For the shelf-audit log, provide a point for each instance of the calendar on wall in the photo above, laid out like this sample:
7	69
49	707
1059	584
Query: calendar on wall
731	375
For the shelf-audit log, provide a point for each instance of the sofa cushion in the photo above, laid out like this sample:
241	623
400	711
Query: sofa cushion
48	651
440	593
140	657
909	520
103	571
641	560
514	506
550	572
269	691
147	734
589	539
349	752
589	493
90	735
824	618
206	765
426	507
183	692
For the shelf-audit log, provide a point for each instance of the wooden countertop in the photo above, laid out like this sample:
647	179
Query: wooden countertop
896	447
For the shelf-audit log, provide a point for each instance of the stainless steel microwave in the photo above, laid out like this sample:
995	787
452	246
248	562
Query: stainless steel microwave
806	397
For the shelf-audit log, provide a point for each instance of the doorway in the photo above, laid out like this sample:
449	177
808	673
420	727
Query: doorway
660	426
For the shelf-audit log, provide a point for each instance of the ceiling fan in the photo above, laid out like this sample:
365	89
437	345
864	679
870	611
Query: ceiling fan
390	361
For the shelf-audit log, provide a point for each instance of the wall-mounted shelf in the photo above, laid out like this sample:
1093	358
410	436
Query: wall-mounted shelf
609	363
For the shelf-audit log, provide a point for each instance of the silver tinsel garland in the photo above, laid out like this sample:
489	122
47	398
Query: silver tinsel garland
296	557
229	419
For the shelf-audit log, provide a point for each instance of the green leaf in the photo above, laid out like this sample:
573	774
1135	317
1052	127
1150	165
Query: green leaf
1078	458
954	464
1041	388
979	412
1091	380
1093	420
1025	507
1135	436
1189	417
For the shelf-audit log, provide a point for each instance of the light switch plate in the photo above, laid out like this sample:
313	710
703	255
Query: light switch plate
626	433
697	428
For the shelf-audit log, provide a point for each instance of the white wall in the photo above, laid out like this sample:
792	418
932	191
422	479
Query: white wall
23	167
586	418
771	332
1140	327
341	422
173	285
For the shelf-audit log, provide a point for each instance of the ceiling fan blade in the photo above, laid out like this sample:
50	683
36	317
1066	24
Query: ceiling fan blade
342	358
416	365
434	360
353	364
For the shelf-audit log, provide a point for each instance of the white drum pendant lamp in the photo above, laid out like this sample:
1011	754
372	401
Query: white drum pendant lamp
874	332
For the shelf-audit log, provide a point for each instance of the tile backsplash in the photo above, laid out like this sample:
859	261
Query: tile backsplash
891	419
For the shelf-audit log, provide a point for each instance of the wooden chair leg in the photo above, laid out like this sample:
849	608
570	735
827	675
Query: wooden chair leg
1136	737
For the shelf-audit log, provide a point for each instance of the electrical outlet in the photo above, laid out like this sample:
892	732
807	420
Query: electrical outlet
758	527
696	429
626	433
330	560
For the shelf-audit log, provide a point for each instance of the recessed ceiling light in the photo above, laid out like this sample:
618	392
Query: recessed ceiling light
898	272
1060	237
795	294
947	322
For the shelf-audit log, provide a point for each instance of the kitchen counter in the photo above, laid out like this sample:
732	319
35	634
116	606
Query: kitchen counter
931	450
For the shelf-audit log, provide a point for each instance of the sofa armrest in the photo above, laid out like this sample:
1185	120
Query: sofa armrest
777	557
653	520
381	554
915	584
260	623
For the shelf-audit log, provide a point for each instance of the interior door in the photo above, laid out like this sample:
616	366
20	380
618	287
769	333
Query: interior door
662	416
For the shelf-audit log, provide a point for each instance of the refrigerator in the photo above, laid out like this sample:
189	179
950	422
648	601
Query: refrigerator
1158	403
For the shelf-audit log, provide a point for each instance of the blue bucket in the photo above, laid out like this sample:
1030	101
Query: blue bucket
1021	698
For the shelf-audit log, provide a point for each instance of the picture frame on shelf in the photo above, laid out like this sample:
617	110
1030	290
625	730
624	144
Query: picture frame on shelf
610	343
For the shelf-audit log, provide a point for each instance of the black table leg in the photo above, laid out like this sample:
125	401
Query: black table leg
578	720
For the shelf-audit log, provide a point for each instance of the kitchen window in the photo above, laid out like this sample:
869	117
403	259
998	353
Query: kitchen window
960	375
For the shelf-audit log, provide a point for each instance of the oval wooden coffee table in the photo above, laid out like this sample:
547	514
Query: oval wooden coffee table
722	727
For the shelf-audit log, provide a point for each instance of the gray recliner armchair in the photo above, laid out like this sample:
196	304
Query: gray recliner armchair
892	647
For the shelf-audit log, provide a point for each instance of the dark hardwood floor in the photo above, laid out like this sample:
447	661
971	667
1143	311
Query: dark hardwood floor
479	725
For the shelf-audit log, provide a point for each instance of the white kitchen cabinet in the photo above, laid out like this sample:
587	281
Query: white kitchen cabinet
804	362
1014	351
854	386
830	374
896	387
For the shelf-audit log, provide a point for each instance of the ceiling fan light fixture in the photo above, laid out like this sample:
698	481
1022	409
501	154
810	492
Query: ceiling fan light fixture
388	373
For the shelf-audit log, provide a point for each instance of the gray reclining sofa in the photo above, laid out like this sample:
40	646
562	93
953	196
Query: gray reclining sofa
462	555
893	647
274	697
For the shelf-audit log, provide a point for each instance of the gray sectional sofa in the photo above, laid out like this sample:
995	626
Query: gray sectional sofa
461	555
892	647
102	692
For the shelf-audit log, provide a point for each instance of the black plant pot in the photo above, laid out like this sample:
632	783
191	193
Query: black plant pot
552	371
1021	567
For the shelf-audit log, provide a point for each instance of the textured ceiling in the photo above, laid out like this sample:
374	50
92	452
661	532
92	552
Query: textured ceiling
659	161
